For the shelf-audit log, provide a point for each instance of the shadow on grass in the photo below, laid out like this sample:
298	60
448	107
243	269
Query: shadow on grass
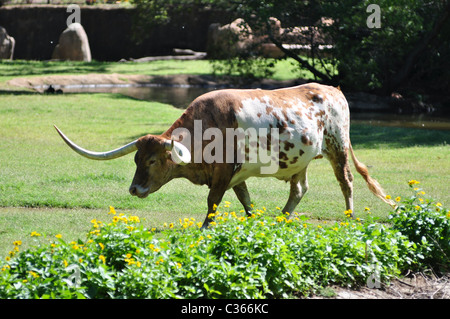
25	68
367	136
18	92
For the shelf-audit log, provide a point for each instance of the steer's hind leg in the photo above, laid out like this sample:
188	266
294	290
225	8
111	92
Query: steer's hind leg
243	196
339	162
299	186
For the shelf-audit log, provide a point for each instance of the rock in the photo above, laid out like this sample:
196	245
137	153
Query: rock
7	44
73	45
228	40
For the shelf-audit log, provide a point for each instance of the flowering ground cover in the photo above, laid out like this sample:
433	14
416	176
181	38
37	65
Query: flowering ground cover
266	255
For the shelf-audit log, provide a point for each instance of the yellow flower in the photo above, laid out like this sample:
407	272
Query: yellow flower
102	258
388	196
19	242
35	234
398	198
413	182
214	206
112	211
35	275
171	225
178	265
101	246
65	263
438	204
134	219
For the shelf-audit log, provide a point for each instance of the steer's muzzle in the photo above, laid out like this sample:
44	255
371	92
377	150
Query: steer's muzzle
139	191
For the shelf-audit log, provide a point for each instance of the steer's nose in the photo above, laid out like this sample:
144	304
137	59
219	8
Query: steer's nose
133	190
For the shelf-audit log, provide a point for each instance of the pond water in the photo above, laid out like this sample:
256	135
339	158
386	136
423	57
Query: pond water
182	96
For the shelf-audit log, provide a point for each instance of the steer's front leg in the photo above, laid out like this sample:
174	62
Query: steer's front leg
214	199
220	181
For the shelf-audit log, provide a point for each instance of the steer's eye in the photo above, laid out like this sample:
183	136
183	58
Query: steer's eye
151	162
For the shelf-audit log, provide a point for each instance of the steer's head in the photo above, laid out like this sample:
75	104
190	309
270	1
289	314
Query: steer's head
155	158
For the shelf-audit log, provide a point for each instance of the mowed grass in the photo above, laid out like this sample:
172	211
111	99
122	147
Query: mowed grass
283	69
47	188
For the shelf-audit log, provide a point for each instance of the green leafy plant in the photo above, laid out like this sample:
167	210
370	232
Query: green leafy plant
427	224
266	255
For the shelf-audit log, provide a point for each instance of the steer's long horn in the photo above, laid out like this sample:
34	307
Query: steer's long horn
121	151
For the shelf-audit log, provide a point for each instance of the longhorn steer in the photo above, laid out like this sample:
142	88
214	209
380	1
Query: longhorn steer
310	121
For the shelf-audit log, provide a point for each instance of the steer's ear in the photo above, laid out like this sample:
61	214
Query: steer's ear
180	154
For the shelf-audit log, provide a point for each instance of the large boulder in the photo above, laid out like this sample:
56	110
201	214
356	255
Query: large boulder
73	45
228	40
7	44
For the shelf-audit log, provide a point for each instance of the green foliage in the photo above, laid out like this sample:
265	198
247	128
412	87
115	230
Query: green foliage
426	224
263	256
410	50
248	68
371	58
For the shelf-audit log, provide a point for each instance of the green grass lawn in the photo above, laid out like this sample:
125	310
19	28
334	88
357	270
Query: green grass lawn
47	188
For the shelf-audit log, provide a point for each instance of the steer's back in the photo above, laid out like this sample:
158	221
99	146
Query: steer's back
310	118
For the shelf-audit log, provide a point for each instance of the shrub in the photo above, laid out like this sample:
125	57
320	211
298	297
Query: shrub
427	224
266	255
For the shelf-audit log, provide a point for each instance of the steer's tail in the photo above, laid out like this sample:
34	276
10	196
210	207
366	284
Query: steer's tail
373	185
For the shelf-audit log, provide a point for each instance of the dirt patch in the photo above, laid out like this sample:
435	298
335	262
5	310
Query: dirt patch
415	286
40	83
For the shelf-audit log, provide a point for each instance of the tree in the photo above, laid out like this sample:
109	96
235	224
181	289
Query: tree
409	49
